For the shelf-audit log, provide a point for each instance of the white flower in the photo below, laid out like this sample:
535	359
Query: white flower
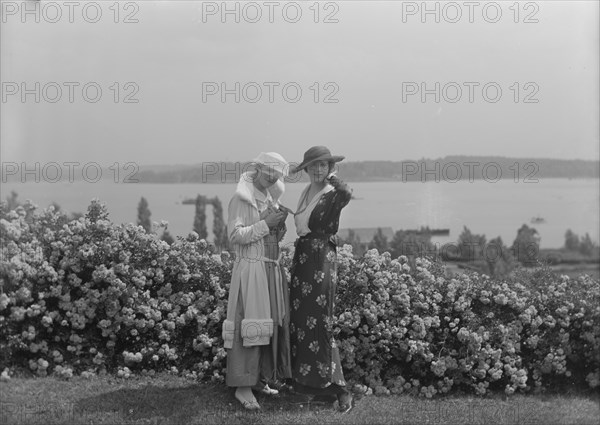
322	300
304	369
319	276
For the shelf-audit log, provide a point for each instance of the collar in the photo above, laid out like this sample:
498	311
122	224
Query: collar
247	192
328	188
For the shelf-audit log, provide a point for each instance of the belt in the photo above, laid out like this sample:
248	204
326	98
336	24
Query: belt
313	235
279	299
330	237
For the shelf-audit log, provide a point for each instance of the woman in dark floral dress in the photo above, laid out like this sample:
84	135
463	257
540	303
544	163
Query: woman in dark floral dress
316	367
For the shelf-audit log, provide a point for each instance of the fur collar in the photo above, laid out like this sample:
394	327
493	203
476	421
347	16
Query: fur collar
246	190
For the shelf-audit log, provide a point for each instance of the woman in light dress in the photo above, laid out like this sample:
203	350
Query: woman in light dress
256	330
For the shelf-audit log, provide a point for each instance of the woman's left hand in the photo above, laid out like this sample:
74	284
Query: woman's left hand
266	212
285	216
333	180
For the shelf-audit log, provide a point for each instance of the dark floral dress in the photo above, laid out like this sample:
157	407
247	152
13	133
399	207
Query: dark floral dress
314	354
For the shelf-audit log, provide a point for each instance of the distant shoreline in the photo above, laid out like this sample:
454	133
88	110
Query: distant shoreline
347	180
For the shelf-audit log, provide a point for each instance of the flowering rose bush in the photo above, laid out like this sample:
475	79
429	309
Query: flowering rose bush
87	296
419	332
93	296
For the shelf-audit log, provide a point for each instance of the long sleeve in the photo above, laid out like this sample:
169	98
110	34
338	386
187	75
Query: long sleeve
343	192
239	233
326	215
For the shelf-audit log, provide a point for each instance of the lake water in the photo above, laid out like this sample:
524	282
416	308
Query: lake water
493	209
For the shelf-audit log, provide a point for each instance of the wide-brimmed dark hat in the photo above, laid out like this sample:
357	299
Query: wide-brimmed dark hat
317	153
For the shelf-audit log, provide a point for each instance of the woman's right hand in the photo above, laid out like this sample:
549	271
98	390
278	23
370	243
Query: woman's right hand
274	218
266	212
270	209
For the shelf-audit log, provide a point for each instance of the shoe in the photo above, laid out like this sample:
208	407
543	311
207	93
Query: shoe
345	402
266	390
247	404
286	388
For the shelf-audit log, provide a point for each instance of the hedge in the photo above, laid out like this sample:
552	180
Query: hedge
90	297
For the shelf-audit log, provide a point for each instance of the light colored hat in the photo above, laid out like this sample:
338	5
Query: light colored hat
274	161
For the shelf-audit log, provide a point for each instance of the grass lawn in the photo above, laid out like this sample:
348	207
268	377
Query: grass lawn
169	399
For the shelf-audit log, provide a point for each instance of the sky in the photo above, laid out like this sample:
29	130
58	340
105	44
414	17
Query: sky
364	86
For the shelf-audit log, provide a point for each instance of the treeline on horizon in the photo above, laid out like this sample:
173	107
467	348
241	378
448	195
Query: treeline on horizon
450	168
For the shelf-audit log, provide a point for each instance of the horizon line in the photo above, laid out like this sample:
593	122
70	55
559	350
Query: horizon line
387	160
